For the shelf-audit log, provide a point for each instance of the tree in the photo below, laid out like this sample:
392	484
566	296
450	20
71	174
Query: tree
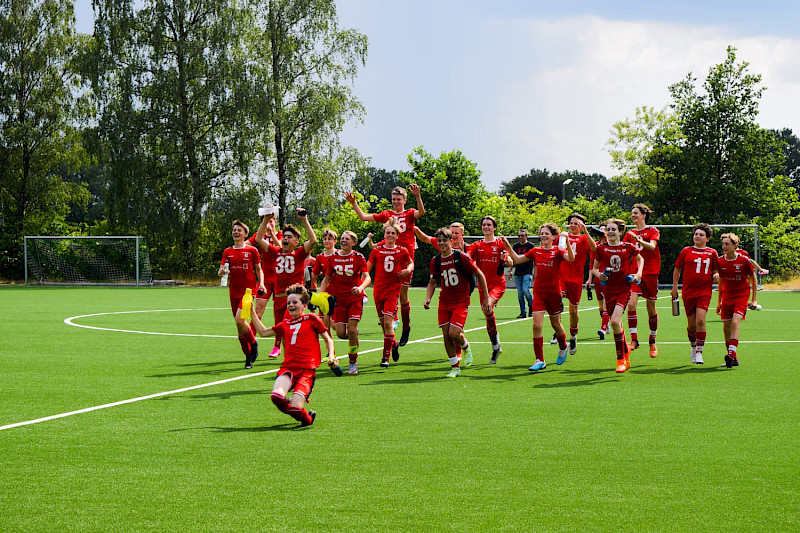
38	139
304	62
539	185
791	150
376	182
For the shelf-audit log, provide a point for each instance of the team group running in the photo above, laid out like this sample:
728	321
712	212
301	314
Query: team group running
624	266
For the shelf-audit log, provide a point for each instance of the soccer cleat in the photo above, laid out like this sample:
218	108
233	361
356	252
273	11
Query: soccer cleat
698	358
395	353
495	354
653	350
521	315
635	344
275	352
395	324
601	334
454	372
538	365
728	361
384	363
573	346
694	354
248	365
621	367
313	415
735	361
554	340
253	352
627	360
468	356
352	369
404	337
562	356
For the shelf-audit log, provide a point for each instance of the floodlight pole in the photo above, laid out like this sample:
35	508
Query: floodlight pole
564	190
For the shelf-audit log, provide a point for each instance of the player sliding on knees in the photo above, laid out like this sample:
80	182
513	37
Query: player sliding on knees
393	266
547	260
300	333
455	270
243	265
406	219
346	277
612	265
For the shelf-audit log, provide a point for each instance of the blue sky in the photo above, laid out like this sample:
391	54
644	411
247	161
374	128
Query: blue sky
519	84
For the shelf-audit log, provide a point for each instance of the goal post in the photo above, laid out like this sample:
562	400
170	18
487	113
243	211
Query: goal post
101	260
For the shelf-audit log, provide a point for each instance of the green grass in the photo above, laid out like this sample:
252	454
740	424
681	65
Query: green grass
668	446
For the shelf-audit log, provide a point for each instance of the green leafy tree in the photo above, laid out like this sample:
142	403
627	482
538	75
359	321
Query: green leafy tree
791	151
539	185
301	100
39	143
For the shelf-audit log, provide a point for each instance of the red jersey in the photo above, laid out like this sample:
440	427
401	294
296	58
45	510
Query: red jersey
488	256
573	272
320	265
619	258
548	268
345	272
699	265
267	262
289	267
735	275
242	263
301	341
406	220
455	285
743	253
652	260
388	262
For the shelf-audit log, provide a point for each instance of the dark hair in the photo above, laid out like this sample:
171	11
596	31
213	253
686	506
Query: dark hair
291	229
554	230
299	290
578	216
618	222
238	222
444	232
489	217
708	230
646	211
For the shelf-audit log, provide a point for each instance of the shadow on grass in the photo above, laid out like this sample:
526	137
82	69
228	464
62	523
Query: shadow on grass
288	426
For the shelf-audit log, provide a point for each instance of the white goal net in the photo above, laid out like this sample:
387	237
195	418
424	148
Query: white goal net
87	260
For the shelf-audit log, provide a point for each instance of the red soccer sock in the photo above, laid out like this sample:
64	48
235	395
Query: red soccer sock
604	325
388	343
733	345
538	348
405	315
301	415
653	323
619	344
491	326
245	342
562	341
701	340
633	322
573	331
280	402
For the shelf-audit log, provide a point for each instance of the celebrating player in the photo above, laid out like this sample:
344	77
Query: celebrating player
489	256
598	287
393	266
329	238
699	264
244	267
737	282
645	238
612	265
289	260
571	280
455	270
406	218
300	333
346	277
547	260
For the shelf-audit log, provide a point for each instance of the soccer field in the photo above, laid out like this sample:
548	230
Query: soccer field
668	446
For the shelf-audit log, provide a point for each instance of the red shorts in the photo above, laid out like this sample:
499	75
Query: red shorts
571	291
599	290
386	304
236	304
733	306
348	308
616	300
548	301
495	293
270	286
648	288
455	316
691	305
302	380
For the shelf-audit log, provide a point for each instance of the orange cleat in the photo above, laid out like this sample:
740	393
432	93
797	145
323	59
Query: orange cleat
653	350
621	367
627	360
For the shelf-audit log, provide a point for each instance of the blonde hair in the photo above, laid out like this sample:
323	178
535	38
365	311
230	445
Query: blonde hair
458	225
329	232
400	191
351	235
618	222
733	237
392	223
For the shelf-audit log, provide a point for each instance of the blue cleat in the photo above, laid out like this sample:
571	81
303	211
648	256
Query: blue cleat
562	357
538	365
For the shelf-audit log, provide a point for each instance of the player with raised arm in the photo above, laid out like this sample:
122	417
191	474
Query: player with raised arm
457	242
491	257
699	264
645	238
300	332
393	265
571	279
612	265
289	259
455	269
346	277
268	268
737	285
406	219
329	238
243	265
547	260
598	287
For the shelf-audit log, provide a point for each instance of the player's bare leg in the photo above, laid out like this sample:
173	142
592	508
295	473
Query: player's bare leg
652	321
450	349
573	328
491	329
352	346
247	339
700	335
633	320
405	315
